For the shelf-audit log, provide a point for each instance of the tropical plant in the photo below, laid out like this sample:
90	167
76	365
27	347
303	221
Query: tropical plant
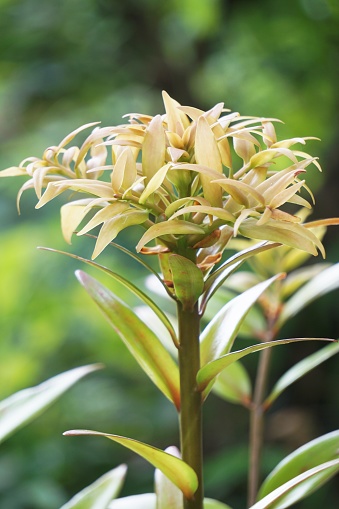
193	181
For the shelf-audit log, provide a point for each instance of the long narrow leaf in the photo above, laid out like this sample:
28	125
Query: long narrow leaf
146	348
218	277
321	284
298	487
299	370
181	474
25	405
208	372
217	338
312	454
99	494
125	282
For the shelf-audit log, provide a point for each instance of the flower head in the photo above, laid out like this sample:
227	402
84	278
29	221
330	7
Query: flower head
192	179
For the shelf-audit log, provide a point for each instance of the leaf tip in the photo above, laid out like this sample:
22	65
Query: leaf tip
77	432
81	276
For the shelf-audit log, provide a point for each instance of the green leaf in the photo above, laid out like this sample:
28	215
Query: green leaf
298	487
188	280
181	474
208	372
143	344
311	456
168	495
144	501
99	494
218	336
321	284
299	370
25	405
217	278
234	384
175	227
130	286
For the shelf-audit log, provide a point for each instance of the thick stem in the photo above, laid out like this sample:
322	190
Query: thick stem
191	401
257	426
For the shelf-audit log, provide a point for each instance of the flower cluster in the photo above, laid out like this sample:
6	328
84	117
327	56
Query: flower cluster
192	179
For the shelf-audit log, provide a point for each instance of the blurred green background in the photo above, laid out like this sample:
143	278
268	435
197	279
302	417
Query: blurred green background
67	62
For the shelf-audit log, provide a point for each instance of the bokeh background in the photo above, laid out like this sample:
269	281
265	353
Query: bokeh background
67	62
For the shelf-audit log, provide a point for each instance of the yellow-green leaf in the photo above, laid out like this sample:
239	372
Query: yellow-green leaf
177	471
218	336
209	371
299	370
139	339
319	285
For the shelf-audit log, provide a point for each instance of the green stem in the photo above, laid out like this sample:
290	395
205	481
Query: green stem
191	401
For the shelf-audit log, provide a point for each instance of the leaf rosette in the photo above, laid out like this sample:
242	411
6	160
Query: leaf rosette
184	176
